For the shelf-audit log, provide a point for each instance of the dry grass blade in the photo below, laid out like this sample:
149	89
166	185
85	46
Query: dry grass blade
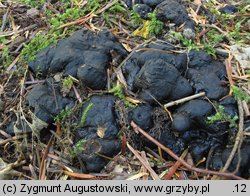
179	101
78	21
144	163
110	4
183	162
229	72
42	171
238	139
9	168
137	176
173	169
144	169
78	175
3	142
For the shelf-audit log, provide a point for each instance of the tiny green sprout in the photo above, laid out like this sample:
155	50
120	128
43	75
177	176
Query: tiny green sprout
38	43
155	25
33	3
189	44
68	82
236	33
5	57
84	115
117	8
78	147
63	115
93	5
239	94
117	90
220	115
136	20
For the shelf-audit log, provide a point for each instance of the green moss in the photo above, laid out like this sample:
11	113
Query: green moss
136	20
61	117
239	94
117	8
222	116
213	38
155	25
39	42
85	114
5	57
117	90
33	3
78	148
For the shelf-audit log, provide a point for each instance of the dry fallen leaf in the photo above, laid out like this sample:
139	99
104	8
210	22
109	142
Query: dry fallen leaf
144	31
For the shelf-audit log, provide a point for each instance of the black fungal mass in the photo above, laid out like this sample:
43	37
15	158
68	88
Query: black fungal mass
228	9
156	73
143	10
46	101
85	55
142	116
97	114
96	147
174	11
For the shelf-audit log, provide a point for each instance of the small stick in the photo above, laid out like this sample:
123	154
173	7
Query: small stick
172	103
5	134
77	94
79	175
144	169
245	107
239	137
2	142
9	33
183	162
145	164
34	82
81	20
173	169
110	4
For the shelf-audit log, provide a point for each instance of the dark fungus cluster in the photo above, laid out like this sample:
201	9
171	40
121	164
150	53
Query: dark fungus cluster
155	74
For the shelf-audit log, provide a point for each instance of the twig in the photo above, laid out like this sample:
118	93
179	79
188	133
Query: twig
110	4
172	103
239	137
183	162
9	33
245	107
173	169
78	21
77	175
34	82
2	142
137	176
145	164
13	63
42	171
212	26
229	72
144	169
77	94
11	166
